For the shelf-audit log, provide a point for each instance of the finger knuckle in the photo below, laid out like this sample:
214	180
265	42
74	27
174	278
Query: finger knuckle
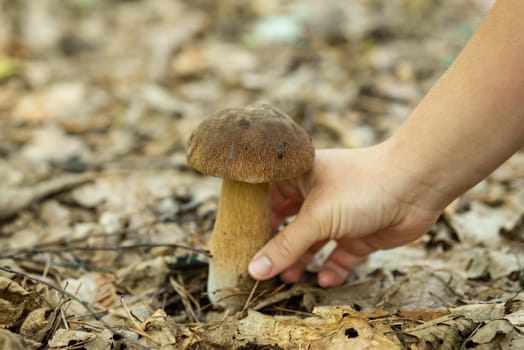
283	244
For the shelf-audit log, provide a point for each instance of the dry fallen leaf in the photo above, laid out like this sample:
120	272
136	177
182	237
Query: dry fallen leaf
471	324
161	330
516	316
144	275
327	328
496	332
37	324
12	341
441	333
63	338
118	86
14	302
14	200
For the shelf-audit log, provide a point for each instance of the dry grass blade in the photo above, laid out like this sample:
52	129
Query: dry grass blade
250	297
187	300
136	326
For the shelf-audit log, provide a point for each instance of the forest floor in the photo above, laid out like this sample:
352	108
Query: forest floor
103	226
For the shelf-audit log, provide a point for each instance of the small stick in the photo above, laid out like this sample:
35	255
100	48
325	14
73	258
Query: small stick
71	296
248	301
137	326
34	251
187	299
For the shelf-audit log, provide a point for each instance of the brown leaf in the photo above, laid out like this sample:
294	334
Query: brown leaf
435	290
12	341
447	331
493	332
443	333
37	324
10	313
330	328
15	199
89	341
14	301
516	318
161	329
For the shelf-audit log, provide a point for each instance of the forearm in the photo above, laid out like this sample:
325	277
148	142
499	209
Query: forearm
473	118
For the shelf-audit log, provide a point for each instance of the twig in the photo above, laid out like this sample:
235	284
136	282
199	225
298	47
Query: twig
57	318
71	296
137	326
187	299
296	312
71	265
76	292
265	293
34	251
277	290
47	266
248	300
278	296
64	320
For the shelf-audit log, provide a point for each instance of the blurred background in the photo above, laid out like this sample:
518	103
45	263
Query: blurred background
92	84
111	89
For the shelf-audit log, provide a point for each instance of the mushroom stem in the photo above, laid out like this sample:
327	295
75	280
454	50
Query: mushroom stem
242	227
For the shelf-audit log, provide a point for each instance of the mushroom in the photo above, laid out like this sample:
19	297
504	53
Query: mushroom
249	148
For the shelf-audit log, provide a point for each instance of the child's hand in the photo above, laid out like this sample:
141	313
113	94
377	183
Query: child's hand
356	197
384	196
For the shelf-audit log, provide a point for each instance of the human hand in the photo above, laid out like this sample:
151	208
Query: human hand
356	197
387	195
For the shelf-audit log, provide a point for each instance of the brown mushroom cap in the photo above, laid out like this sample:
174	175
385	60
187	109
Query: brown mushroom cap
254	144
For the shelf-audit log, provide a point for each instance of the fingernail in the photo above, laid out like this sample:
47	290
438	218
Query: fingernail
324	279
260	267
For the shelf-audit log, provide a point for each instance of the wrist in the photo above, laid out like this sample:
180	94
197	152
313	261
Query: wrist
419	180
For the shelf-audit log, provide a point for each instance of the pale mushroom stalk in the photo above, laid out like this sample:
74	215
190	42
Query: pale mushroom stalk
248	148
243	221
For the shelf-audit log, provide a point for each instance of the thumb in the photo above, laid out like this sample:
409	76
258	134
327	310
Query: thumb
286	247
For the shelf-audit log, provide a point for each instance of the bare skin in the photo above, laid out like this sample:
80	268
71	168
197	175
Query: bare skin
242	226
387	195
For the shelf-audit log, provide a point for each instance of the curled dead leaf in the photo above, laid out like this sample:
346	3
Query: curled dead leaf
330	328
470	324
89	341
161	329
442	333
14	301
12	341
494	332
37	324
